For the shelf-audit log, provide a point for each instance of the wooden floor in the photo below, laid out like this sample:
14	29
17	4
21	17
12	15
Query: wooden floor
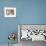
7	45
30	43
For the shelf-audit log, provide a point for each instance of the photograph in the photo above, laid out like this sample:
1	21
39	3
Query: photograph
9	12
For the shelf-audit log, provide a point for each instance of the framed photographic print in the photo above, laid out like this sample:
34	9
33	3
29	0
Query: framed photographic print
9	12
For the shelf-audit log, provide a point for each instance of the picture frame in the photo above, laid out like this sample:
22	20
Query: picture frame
9	12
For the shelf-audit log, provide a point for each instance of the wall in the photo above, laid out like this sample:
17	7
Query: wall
28	12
